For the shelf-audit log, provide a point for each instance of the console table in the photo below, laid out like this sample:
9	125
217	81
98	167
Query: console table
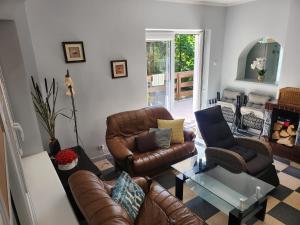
84	163
47	196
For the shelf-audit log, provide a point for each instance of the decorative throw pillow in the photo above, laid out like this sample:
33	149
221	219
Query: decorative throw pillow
177	129
145	143
162	136
129	195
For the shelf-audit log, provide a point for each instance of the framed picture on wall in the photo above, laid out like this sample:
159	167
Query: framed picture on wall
119	68
73	51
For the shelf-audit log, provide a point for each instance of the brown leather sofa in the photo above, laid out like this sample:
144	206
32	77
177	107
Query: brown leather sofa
122	128
160	208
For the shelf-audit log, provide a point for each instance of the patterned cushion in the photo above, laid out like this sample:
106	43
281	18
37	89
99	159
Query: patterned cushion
230	94
162	136
259	113
128	194
258	99
177	129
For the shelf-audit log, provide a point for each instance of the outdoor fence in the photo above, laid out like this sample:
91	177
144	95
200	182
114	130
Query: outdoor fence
183	84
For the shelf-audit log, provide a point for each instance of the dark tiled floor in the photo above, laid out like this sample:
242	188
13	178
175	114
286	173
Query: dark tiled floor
292	171
281	192
167	180
286	161
202	208
286	214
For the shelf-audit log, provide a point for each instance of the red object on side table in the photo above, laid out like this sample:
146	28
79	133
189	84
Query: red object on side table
66	159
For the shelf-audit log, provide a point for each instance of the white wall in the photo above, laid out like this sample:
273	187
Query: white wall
247	23
18	63
112	29
290	71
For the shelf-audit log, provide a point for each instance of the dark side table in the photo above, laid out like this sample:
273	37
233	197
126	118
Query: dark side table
84	163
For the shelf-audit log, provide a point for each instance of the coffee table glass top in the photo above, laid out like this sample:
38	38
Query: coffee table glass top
238	191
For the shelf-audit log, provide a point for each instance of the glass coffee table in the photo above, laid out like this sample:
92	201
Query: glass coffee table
241	196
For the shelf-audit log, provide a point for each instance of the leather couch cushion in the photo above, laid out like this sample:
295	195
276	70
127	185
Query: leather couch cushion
160	207
135	122
247	154
143	162
258	164
177	129
145	143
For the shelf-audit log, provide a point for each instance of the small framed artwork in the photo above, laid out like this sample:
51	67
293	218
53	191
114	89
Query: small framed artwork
73	51
119	68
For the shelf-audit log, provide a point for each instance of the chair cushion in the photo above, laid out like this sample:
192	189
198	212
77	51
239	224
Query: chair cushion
177	129
258	112
159	158
214	128
162	136
230	94
258	164
128	194
258	99
230	105
247	154
145	143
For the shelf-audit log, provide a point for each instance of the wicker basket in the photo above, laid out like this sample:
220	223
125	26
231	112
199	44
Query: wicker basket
289	96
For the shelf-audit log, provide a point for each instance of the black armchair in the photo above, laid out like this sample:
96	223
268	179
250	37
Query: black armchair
237	154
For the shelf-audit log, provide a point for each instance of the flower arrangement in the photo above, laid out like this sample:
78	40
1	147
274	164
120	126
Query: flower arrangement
66	159
260	65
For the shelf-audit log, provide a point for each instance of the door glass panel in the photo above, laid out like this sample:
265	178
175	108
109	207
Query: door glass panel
158	73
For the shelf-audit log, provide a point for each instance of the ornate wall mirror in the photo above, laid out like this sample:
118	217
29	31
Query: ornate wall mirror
260	62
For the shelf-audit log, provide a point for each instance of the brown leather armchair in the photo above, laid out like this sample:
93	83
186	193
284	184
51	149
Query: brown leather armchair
93	197
124	127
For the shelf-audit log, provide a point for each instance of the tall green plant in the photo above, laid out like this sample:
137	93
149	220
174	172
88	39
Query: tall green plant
46	106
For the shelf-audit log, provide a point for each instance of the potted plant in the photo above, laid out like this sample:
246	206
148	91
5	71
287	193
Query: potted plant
260	65
45	108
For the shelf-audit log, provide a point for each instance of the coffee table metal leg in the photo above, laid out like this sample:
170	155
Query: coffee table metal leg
261	213
234	220
179	186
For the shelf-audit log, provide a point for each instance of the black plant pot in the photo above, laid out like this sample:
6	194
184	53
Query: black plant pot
54	147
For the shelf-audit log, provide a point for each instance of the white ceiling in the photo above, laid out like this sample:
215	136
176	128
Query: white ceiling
211	2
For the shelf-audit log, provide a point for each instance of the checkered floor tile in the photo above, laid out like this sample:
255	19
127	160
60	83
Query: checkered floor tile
283	206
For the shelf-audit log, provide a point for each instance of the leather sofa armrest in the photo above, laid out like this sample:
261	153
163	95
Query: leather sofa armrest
189	135
118	150
225	158
159	199
91	195
259	146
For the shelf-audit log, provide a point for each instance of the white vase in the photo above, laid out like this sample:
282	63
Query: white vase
68	166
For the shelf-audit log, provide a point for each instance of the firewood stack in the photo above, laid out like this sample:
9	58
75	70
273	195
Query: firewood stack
284	132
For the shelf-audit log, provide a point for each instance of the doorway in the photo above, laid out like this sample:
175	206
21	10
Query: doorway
174	72
158	73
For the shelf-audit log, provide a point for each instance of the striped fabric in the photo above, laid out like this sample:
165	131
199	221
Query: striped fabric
128	194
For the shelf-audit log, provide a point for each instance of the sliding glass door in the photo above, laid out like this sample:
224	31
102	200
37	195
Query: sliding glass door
174	72
158	73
